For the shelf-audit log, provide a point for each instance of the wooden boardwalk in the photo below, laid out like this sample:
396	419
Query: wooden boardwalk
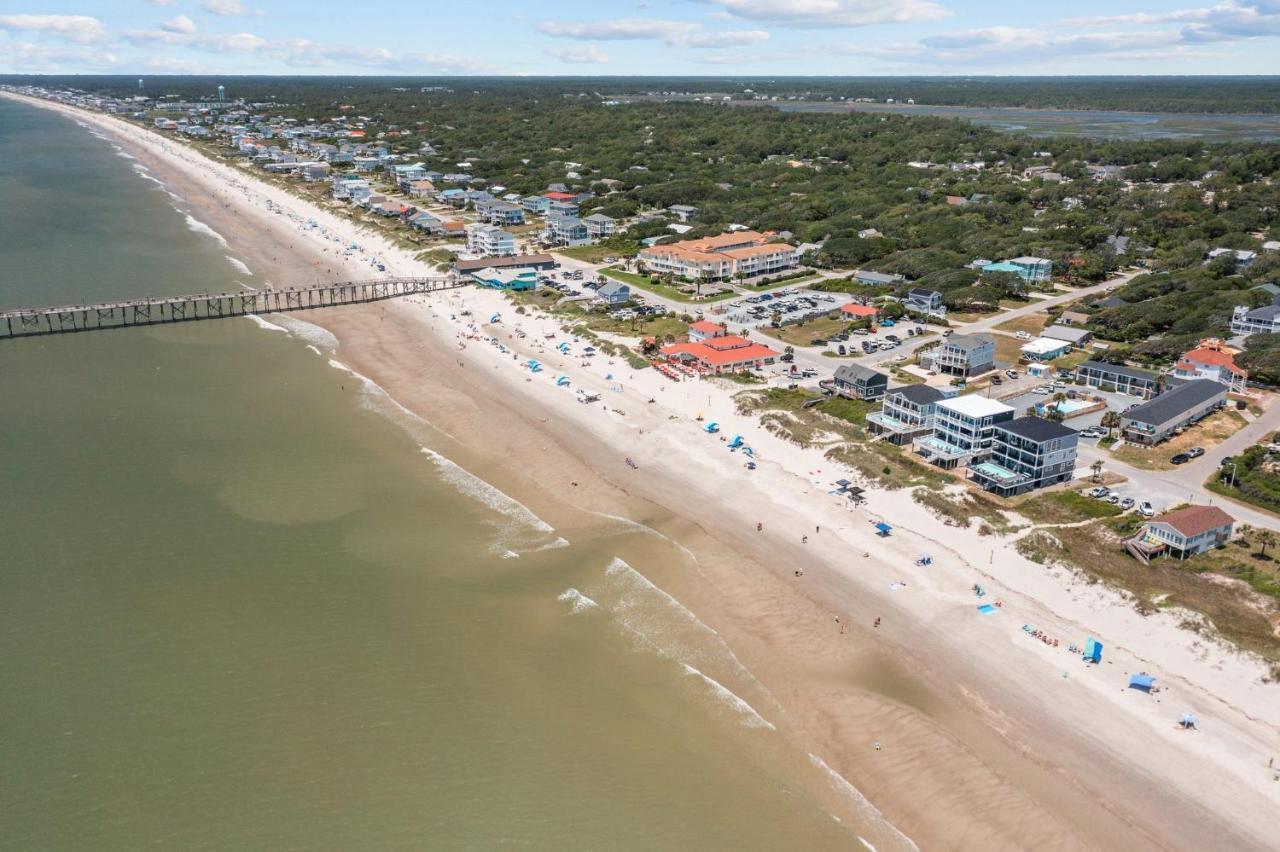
28	322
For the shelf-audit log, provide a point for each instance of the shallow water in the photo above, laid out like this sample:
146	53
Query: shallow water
246	602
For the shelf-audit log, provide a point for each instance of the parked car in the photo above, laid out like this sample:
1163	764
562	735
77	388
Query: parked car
1022	335
1100	492
1195	452
1113	498
1013	374
1226	460
840	349
996	380
948	333
1180	458
1126	503
1145	509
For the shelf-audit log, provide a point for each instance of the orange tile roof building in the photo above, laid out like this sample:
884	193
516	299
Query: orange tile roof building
724	353
859	311
723	256
703	329
1213	360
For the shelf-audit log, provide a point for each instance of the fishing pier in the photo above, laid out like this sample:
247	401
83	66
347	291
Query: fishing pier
29	322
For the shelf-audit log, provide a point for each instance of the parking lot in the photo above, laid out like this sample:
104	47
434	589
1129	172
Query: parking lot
793	305
1117	402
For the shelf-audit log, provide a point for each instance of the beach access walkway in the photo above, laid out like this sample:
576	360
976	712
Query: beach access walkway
28	322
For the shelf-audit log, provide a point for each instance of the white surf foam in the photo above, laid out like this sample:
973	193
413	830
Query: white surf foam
481	491
266	324
723	694
864	805
122	153
238	265
317	337
201	228
578	602
313	349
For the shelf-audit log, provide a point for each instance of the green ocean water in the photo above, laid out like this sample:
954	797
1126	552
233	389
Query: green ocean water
241	606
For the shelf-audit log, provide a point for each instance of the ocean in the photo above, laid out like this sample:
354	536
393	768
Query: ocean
247	602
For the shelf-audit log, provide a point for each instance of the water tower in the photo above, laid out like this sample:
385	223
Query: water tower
139	84
222	94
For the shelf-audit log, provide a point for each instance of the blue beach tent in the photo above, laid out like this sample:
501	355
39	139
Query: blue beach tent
1093	650
883	529
711	428
736	442
1142	681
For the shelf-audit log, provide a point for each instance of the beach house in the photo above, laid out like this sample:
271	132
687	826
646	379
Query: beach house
1119	378
1243	257
963	355
1044	349
1078	338
1183	532
858	382
614	293
854	311
565	231
962	430
876	279
1029	269
683	212
921	300
1154	421
495	211
1027	453
1264	320
600	226
906	413
536	205
1213	359
488	240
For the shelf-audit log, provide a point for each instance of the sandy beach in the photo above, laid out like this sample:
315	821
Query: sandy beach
962	730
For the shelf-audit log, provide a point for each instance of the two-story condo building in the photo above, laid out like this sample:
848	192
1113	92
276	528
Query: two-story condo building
906	413
743	252
962	430
536	205
1183	532
489	240
495	211
1027	453
1119	378
963	355
1154	421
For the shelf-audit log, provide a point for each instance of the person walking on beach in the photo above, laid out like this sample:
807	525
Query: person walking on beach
759	527
804	539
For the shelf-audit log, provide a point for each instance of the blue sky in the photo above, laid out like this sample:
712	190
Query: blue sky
679	37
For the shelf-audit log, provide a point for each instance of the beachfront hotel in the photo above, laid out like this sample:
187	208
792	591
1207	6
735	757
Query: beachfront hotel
1027	453
740	253
962	430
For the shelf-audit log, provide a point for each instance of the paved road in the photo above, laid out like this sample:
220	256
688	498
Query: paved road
1166	488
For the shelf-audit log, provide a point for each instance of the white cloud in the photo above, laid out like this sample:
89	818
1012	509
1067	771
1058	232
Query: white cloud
588	54
228	8
47	59
671	33
827	14
80	29
180	24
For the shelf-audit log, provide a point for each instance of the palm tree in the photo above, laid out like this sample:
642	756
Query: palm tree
1096	467
1110	421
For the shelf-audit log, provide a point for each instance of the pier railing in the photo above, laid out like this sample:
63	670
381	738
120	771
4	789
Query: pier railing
26	322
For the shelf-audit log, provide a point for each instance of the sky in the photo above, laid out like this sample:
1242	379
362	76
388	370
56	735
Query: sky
649	37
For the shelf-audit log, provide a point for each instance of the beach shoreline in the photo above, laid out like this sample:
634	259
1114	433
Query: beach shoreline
987	744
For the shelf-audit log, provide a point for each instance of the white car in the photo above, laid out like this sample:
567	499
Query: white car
1145	509
1022	335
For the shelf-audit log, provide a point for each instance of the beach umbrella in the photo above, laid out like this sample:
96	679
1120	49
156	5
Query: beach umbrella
1188	720
883	528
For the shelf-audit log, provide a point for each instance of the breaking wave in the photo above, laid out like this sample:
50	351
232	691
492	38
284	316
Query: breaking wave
482	492
864	805
578	602
266	324
201	228
238	265
723	694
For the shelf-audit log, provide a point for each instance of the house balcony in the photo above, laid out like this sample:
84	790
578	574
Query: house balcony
937	451
997	478
893	426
